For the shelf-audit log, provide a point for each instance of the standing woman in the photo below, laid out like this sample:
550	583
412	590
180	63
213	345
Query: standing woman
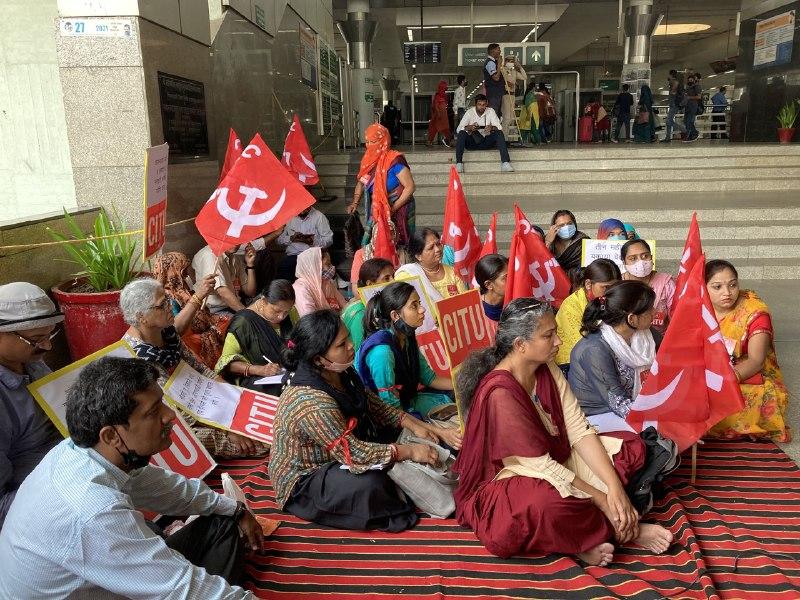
644	128
372	272
638	259
534	477
746	325
439	123
440	280
529	115
491	273
384	177
315	288
564	240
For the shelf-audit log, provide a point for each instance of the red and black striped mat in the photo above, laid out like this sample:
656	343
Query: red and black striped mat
737	532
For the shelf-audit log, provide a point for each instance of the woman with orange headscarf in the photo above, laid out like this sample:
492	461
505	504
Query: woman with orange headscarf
439	123
384	177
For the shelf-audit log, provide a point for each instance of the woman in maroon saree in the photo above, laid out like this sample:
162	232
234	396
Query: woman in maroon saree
533	475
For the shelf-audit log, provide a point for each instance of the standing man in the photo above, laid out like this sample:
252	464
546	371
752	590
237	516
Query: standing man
719	104
622	112
694	95
480	129
677	100
460	98
391	120
493	80
28	320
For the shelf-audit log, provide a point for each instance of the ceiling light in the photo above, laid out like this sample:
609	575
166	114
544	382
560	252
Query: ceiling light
410	35
729	72
413	66
680	28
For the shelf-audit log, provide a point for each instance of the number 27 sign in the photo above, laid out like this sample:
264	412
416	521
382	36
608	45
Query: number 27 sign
155	198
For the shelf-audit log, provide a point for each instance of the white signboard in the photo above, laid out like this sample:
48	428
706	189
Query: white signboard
594	249
155	198
96	27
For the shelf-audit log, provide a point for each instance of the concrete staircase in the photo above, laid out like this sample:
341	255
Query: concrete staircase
747	196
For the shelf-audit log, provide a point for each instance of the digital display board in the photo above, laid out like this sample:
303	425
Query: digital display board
422	52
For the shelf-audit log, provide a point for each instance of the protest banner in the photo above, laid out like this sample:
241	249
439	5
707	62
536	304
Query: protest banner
156	161
429	339
186	456
592	249
463	327
221	404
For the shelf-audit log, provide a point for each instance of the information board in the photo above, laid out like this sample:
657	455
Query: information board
330	103
422	52
774	40
183	115
308	57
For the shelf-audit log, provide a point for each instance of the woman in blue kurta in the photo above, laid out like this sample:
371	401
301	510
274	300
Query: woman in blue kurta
390	363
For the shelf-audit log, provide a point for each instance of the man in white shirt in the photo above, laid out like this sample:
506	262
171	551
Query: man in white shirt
75	529
309	228
460	98
235	277
480	129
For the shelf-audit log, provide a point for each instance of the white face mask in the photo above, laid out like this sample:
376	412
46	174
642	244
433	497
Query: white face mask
641	268
337	367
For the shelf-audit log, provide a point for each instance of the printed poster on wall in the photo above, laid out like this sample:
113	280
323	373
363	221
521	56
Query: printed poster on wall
774	40
308	57
156	161
593	249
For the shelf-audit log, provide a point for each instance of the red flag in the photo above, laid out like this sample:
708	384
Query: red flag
490	244
459	231
256	197
233	152
383	246
297	155
550	282
691	386
520	281
692	251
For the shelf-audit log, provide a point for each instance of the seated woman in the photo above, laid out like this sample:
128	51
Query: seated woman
390	363
256	337
440	280
533	475
592	282
373	271
314	288
564	240
491	272
203	333
746	327
153	336
638	259
611	229
327	420
606	365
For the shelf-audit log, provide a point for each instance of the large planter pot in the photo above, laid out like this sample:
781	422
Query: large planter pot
92	320
785	135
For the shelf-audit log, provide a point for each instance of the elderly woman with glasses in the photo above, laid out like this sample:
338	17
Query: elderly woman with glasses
154	336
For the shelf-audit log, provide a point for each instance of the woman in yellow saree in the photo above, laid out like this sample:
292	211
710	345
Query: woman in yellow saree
746	326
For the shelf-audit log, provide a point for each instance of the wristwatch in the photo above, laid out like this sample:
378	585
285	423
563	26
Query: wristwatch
239	512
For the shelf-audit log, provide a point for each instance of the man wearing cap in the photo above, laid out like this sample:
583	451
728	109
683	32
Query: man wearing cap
28	320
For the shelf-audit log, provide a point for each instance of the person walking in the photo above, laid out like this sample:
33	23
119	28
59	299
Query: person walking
694	96
677	100
622	113
719	106
493	80
460	98
439	123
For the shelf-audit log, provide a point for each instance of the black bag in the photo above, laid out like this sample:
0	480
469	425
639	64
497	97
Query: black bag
353	234
680	96
662	459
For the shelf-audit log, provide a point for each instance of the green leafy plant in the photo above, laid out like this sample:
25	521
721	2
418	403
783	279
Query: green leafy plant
108	263
788	114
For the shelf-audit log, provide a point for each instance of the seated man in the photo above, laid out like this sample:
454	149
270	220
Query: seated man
480	129
309	228
233	278
75	529
28	320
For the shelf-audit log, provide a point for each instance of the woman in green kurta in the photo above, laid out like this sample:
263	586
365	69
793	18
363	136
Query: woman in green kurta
372	271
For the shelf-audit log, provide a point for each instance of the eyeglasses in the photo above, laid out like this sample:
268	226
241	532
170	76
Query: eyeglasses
163	306
37	344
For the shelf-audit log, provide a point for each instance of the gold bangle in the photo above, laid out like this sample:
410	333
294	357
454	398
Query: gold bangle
247	371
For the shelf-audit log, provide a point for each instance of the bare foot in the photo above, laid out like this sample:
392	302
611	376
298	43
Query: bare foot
599	556
653	537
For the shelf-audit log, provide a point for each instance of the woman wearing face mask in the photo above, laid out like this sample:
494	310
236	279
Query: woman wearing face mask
638	261
606	365
256	337
440	280
314	288
390	363
592	282
746	327
491	273
611	229
373	271
564	240
330	432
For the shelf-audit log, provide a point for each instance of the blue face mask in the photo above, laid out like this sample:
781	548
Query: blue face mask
618	237
566	232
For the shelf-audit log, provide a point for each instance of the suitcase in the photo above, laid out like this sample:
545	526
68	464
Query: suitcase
585	129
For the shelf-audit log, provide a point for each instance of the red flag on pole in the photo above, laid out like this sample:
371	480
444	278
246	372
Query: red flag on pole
383	246
297	155
459	231
550	282
233	152
691	386
490	243
519	282
256	197
692	251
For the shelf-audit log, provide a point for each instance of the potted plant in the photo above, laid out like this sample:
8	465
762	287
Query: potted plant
787	116
90	301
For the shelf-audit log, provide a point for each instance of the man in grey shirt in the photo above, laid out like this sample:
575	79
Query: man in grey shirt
28	320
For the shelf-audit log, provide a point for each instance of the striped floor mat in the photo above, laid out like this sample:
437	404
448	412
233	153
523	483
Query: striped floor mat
737	532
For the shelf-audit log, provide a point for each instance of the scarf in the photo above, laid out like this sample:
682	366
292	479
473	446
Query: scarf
376	162
440	97
166	356
639	355
309	280
257	340
607	225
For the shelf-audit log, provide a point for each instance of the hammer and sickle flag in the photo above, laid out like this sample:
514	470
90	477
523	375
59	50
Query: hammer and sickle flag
256	197
297	155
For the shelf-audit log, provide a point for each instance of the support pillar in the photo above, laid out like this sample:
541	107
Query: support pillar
640	23
359	31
